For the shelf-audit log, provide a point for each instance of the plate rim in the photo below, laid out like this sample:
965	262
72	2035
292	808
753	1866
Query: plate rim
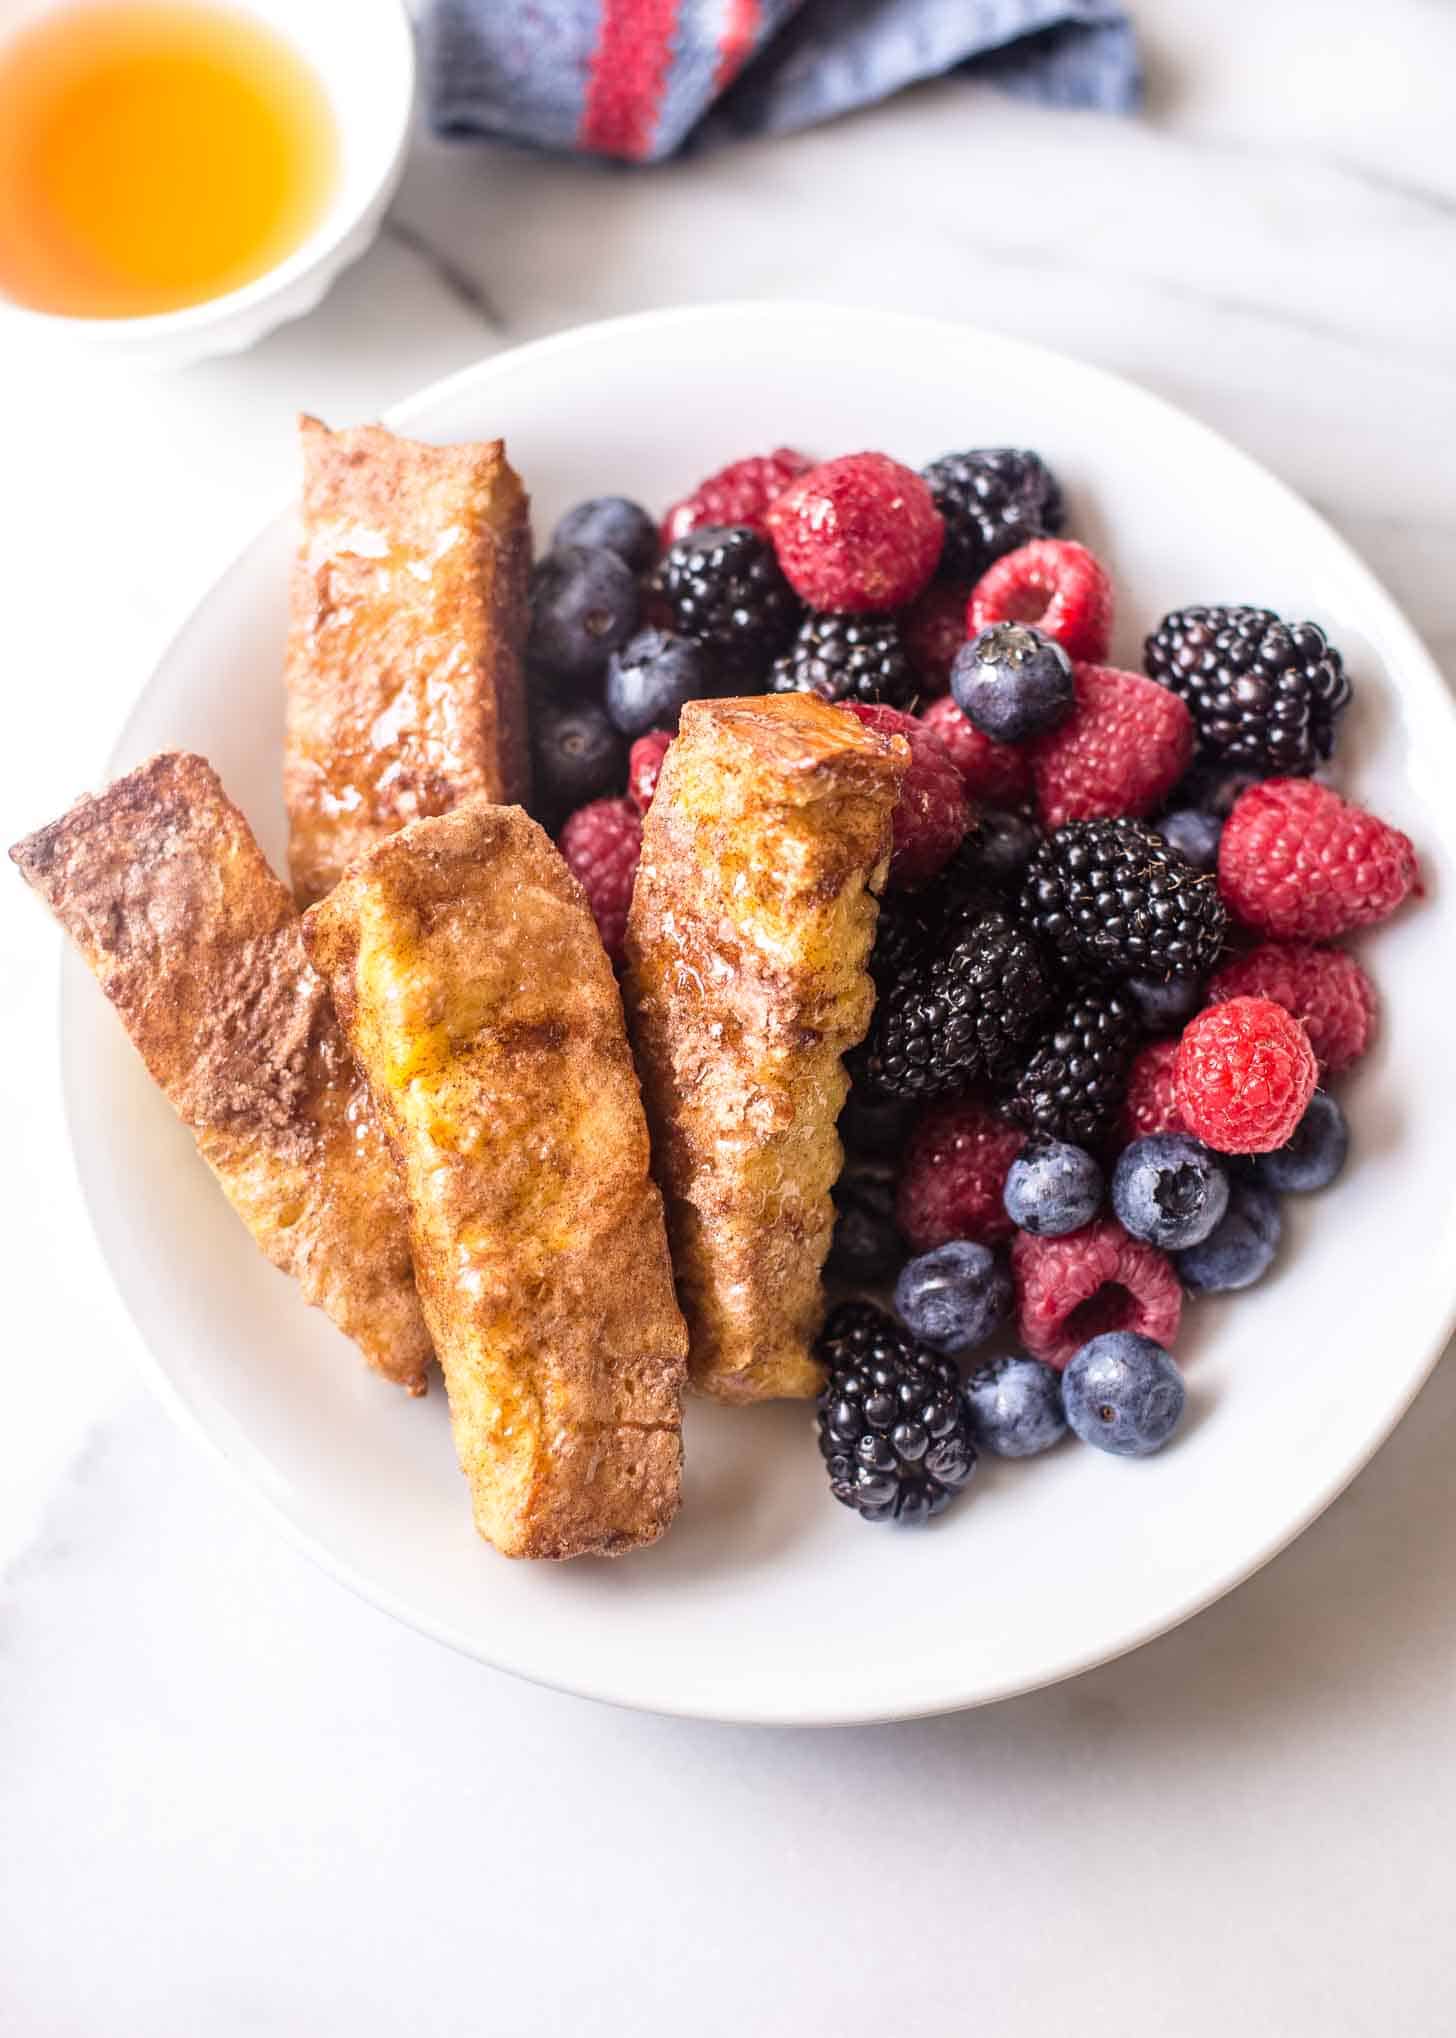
1392	633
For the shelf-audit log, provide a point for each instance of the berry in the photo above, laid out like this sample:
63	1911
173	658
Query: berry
857	533
874	1126
1212	789
722	585
1015	1407
1325	989
1124	1394
892	1429
601	843
644	767
960	1014
1298	861
1124	746
1111	897
612	521
954	1178
931	817
1005	846
584	603
651	677
576	755
1058	585
1240	1248
1263	692
1194	834
1094	1280
866	1246
1151	1104
1166	1007
1052	1188
847	658
1072	1081
954	1296
1011	681
992	500
1245	1075
1314	1153
739	494
934	629
989	771
1169	1190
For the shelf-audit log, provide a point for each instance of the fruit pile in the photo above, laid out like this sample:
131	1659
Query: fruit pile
1108	995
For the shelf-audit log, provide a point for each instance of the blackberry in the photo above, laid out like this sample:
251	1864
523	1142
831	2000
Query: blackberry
1262	692
867	1246
914	926
992	501
893	1430
1075	1076
959	1012
848	658
1113	899
722	585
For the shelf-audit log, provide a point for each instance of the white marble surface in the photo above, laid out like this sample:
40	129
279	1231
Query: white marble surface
232	1799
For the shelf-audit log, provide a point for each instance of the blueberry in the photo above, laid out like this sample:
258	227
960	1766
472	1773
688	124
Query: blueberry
953	1297
1015	1406
1052	1188
1005	846
1169	1189
1239	1249
1123	1393
584	603
1213	788
1194	834
614	523
1166	1008
576	756
875	1125
1012	680
867	1246
1315	1154
649	679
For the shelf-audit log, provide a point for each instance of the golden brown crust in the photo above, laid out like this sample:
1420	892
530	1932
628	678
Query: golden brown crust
198	946
470	980
747	950
405	647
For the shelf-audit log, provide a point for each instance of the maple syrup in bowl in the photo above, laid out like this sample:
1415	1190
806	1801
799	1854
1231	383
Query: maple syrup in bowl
176	176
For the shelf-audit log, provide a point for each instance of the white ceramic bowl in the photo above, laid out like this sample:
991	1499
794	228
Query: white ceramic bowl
364	55
766	1601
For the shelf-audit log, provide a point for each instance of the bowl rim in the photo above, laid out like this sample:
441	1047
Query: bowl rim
332	232
1399	642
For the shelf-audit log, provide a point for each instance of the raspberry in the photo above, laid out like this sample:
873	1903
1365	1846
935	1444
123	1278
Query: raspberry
1121	751
990	771
858	533
1150	1104
1074	1288
954	1174
1245	1075
1326	990
737	494
601	844
1297	860
934	629
1056	584
932	817
644	767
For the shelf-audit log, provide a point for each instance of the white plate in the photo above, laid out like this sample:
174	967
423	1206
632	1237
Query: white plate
767	1602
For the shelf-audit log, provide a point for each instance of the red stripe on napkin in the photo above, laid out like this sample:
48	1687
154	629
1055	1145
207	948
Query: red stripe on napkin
740	33
628	72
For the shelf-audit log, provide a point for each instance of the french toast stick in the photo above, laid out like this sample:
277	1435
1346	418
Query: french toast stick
748	943
198	945
406	637
470	980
